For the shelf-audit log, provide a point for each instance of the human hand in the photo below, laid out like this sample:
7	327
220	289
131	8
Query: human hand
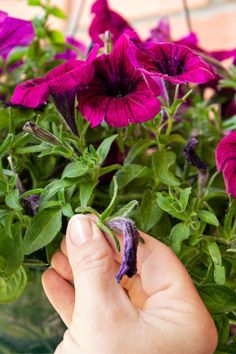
158	311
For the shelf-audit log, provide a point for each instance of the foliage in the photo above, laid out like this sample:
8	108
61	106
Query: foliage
138	171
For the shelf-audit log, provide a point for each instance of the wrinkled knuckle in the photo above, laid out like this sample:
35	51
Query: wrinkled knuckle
94	259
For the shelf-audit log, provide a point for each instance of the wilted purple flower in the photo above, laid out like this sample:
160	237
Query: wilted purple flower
72	53
131	239
30	204
61	83
118	93
14	33
106	20
191	155
174	63
226	162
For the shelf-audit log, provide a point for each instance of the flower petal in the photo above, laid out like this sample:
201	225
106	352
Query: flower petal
226	162
175	63
31	93
106	20
14	33
131	239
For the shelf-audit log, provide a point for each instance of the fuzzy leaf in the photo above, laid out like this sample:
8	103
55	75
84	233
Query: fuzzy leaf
85	192
41	230
136	149
162	161
13	286
75	169
126	210
104	148
150	211
218	298
128	173
208	217
179	233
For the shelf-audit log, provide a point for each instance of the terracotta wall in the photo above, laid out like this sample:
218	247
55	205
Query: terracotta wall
213	20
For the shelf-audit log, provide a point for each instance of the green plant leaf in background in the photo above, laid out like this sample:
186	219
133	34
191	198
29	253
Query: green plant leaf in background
41	230
162	161
179	233
130	172
208	217
104	148
12	286
150	211
219	270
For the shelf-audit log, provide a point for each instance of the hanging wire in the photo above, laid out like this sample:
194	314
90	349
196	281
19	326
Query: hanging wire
75	20
187	15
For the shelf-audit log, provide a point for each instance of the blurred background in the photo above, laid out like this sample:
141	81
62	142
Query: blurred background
213	20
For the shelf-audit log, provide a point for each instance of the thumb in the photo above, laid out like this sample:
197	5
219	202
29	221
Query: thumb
93	266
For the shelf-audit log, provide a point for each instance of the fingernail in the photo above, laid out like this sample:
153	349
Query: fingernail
80	230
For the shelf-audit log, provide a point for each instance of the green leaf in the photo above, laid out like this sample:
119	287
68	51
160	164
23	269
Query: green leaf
179	233
85	192
13	286
56	11
223	329
41	230
104	148
184	197
56	37
53	246
162	161
168	204
75	169
219	274
11	250
208	217
218	298
126	210
136	150
6	145
214	252
12	200
34	2
52	188
150	211
32	192
130	172
67	210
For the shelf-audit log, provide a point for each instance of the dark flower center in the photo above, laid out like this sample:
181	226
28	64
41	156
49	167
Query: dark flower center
172	65
116	83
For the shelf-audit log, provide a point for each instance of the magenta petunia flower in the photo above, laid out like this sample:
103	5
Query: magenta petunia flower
160	33
61	83
118	93
14	33
226	162
106	20
173	62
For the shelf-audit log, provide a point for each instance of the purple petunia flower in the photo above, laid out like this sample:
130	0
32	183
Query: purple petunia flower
61	83
131	239
106	20
226	162
160	33
14	33
174	63
72	53
118	93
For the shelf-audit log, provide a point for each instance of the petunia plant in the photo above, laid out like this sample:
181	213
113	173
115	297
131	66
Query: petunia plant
124	128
